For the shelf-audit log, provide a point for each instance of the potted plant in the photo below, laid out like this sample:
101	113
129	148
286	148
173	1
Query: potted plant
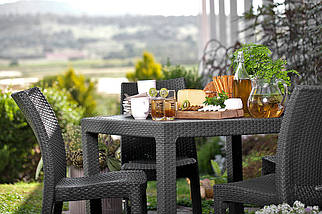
267	95
109	160
259	63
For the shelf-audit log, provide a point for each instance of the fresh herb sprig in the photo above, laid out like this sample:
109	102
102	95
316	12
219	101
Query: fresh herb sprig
217	101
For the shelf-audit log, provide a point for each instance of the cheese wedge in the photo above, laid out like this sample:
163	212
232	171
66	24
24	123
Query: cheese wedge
194	96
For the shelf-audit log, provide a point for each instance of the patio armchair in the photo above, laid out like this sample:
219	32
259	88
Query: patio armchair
298	173
57	187
139	153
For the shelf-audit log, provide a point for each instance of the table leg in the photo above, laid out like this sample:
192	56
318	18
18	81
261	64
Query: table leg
166	174
91	166
234	166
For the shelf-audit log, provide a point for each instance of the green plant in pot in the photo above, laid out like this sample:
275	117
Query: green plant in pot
108	150
270	81
259	63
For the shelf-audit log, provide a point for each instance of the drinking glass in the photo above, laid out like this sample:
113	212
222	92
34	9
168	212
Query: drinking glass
157	107
170	105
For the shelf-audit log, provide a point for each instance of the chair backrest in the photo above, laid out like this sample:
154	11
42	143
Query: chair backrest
299	152
43	121
134	148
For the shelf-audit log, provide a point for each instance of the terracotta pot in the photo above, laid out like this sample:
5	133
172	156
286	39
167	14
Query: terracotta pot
110	205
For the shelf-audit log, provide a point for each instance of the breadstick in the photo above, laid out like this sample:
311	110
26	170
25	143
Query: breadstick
225	80
216	84
220	84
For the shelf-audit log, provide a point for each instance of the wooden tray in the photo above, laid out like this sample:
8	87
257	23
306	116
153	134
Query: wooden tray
210	114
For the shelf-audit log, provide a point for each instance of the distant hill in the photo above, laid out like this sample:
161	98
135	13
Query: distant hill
24	36
38	7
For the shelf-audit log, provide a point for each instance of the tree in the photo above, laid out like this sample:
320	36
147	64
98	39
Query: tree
291	30
145	69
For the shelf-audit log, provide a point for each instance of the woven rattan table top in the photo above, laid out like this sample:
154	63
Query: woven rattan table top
126	125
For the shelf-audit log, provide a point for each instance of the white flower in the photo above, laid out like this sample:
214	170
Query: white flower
298	208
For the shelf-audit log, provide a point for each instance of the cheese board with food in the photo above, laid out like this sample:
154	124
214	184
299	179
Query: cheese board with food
210	115
214	102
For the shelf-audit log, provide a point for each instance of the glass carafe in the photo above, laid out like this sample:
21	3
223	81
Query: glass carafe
266	99
242	83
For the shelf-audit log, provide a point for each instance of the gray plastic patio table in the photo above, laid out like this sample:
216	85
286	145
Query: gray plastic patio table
165	134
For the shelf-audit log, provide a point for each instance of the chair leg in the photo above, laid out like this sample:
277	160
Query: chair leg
47	203
94	206
219	207
138	200
127	207
58	207
195	192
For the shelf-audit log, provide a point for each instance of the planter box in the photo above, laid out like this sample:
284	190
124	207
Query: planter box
110	205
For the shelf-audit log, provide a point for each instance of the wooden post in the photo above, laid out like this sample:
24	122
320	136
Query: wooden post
234	19
222	23
247	39
204	28
212	19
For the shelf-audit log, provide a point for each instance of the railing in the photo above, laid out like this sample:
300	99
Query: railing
222	31
222	20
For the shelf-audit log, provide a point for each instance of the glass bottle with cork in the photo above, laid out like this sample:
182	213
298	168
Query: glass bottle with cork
242	84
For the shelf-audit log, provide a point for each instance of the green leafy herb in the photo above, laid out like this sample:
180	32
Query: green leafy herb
217	101
259	63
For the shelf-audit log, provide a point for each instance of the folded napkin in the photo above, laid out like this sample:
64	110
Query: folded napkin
128	98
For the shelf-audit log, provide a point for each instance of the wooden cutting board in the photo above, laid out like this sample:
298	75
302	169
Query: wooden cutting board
210	114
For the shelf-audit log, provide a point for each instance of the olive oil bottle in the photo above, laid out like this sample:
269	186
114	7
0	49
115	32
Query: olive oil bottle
242	85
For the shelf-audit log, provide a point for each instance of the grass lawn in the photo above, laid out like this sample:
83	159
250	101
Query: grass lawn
90	68
26	197
20	198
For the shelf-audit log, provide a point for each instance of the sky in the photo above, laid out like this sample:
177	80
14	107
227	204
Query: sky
135	7
147	7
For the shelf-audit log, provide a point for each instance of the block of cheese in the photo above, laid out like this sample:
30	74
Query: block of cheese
234	103
194	96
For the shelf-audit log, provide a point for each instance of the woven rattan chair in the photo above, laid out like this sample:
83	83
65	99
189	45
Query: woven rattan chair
139	153
298	159
57	188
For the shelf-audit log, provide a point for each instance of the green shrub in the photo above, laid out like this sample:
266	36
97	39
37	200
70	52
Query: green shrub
67	112
192	78
47	82
108	104
146	69
17	141
207	151
80	90
254	148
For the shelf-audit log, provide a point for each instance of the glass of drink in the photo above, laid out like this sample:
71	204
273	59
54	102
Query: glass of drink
170	105
157	107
